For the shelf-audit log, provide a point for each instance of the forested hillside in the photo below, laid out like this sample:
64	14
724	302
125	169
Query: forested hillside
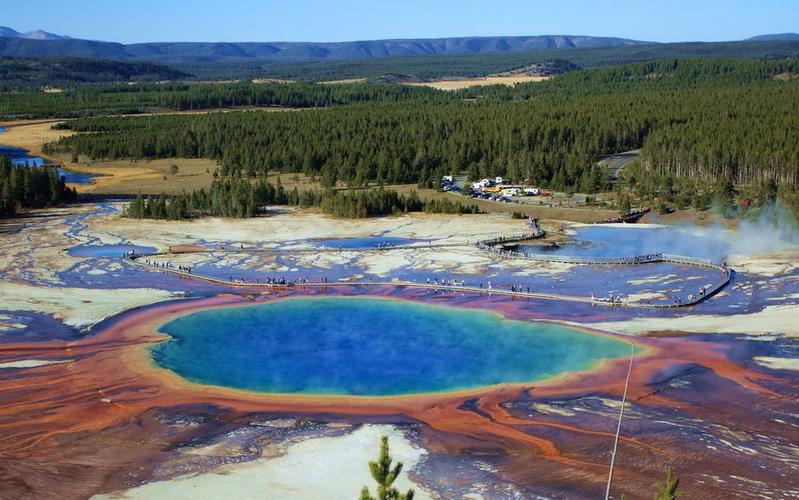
131	99
103	99
23	72
702	119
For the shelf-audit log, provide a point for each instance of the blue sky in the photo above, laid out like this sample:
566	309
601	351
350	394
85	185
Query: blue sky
130	21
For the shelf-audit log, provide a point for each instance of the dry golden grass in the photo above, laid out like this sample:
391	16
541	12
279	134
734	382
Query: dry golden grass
488	80
345	80
271	80
120	176
51	121
300	181
31	134
145	177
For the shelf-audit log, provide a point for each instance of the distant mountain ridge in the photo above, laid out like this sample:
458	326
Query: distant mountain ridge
7	32
43	44
775	36
182	52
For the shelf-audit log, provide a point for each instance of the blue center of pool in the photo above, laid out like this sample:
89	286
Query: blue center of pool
371	347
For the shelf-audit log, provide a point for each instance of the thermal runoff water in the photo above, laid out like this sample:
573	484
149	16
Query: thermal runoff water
371	347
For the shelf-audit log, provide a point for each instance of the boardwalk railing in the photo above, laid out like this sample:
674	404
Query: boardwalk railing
629	217
492	246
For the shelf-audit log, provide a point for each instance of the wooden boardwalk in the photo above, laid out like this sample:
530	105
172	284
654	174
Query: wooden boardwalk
345	284
490	246
493	246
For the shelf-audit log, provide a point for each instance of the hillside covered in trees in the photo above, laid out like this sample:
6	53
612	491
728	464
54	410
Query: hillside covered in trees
702	119
25	72
133	99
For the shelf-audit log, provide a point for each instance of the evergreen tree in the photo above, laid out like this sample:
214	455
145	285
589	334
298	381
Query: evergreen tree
724	194
625	206
668	489
385	475
241	198
24	186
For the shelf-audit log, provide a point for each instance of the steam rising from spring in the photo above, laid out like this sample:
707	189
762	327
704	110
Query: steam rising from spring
767	229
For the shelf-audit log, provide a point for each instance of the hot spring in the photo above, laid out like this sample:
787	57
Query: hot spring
371	347
629	240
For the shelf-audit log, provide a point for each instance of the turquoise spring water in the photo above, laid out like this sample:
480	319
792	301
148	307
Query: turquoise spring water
371	347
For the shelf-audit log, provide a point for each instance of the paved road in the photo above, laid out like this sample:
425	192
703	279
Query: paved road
616	163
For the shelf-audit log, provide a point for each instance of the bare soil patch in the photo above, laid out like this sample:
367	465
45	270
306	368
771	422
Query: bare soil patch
473	82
